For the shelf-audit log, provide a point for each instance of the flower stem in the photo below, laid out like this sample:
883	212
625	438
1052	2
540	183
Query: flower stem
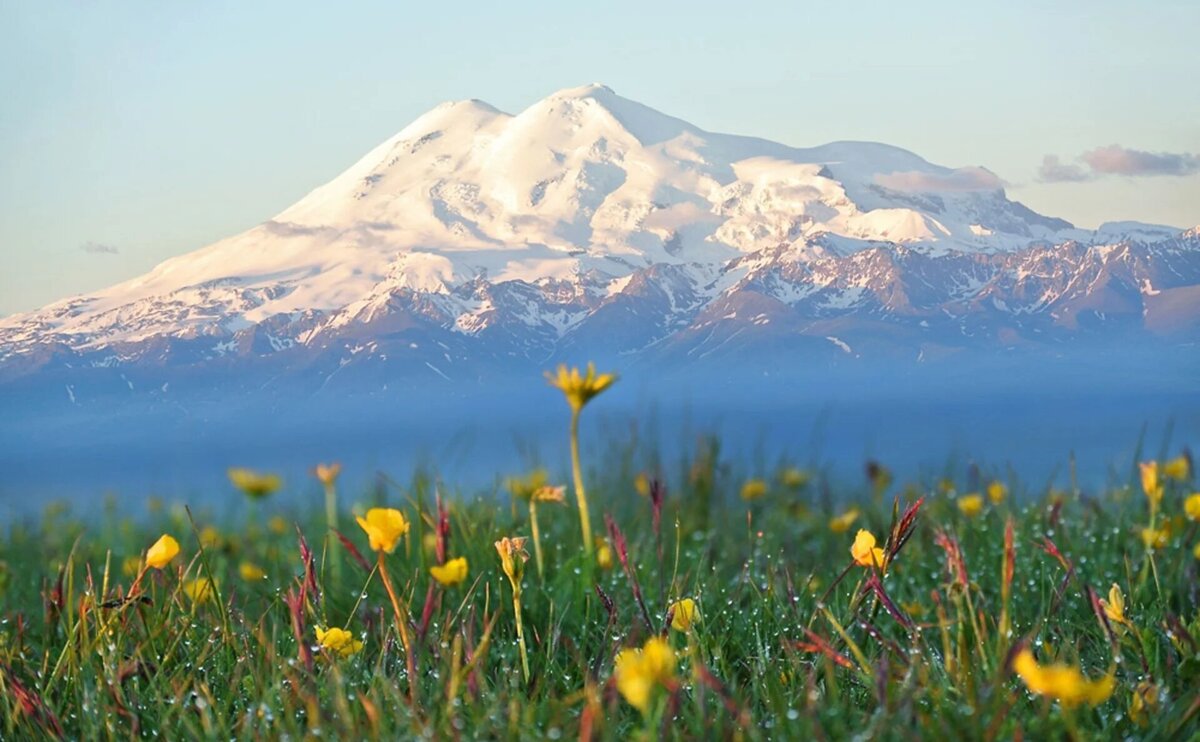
520	632
402	626
585	521
537	539
331	519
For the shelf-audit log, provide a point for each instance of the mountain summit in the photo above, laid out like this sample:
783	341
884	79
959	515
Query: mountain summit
591	223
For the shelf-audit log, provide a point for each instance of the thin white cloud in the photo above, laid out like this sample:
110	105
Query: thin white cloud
1054	170
99	248
962	179
1117	160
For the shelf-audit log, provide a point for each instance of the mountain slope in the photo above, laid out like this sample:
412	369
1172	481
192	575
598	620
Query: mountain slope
590	224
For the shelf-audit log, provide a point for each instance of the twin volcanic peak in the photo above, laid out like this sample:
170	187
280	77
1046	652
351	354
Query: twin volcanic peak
590	220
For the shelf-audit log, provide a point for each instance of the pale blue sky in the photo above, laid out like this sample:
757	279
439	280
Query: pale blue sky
130	132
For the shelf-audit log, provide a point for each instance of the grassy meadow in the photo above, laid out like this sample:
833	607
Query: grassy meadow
684	599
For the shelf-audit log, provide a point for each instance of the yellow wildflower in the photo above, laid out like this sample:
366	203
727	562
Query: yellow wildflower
997	491
327	474
1114	606
794	478
604	554
639	671
753	489
277	525
946	486
1152	484
131	566
971	505
162	552
524	487
251	572
551	494
641	484
451	573
384	527
684	614
1191	506
1064	683
338	641
1196	550
512	558
864	550
254	484
1144	702
579	388
1155	538
842	523
210	538
429	542
1178	468
200	590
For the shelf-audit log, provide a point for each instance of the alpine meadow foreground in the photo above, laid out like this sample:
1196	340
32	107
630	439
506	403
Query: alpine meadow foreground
701	600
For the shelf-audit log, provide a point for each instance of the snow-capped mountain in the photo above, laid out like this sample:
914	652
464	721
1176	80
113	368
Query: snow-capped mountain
589	225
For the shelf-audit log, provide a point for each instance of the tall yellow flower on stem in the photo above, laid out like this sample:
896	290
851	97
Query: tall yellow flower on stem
1064	683
255	486
327	475
533	489
384	528
512	560
542	494
579	390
